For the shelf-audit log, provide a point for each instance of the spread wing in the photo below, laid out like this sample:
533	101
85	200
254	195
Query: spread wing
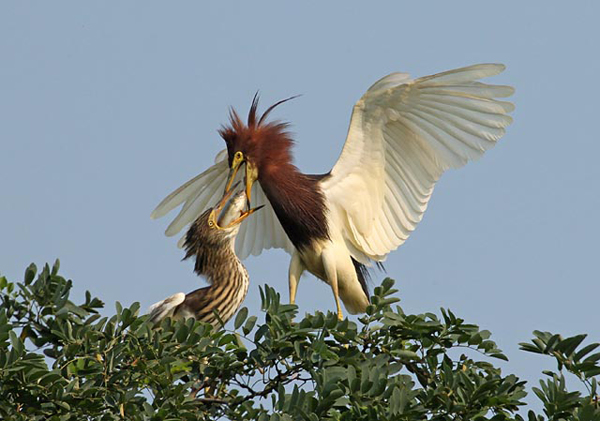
403	135
260	231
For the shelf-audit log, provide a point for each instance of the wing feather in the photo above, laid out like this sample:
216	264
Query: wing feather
474	89
181	194
464	74
198	201
260	231
403	135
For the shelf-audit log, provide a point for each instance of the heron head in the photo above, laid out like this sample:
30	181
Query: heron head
258	144
211	238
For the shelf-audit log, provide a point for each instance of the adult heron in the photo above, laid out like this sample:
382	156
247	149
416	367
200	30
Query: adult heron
404	133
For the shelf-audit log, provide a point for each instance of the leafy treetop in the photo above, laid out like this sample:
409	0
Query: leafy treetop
63	361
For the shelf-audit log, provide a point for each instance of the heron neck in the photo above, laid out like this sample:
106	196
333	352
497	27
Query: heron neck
298	202
228	279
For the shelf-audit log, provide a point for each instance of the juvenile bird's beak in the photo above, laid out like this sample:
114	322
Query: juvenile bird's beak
228	193
237	221
222	205
244	215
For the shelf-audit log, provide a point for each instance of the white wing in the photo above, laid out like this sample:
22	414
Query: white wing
261	230
403	135
199	194
165	308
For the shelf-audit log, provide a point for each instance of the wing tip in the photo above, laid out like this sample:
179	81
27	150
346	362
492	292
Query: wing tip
495	67
507	91
166	205
500	66
172	230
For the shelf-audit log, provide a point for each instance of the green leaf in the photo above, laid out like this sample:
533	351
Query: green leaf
569	345
30	273
551	343
593	358
500	356
592	372
241	317
135	309
249	324
584	351
55	267
406	354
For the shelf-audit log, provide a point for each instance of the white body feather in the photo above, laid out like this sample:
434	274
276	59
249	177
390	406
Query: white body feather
165	308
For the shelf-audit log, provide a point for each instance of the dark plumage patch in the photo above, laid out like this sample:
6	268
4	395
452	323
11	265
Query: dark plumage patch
299	204
364	275
362	272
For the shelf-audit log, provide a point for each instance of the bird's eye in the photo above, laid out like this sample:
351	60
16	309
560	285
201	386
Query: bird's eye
211	224
238	156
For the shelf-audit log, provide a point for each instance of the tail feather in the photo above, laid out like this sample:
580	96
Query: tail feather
363	272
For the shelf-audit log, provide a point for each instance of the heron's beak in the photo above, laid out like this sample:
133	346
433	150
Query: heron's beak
235	166
251	177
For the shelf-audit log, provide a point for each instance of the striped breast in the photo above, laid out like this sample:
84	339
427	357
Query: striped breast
229	286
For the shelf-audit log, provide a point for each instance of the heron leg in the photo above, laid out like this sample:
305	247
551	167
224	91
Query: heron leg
331	273
294	273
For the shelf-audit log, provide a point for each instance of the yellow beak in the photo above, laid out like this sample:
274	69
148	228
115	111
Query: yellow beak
214	215
251	177
242	217
235	166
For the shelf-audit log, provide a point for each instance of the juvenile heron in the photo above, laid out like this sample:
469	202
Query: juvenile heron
404	133
210	240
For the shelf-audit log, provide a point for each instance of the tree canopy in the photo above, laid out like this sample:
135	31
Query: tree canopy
65	361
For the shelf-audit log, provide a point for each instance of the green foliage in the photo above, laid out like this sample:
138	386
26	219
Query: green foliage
559	403
63	361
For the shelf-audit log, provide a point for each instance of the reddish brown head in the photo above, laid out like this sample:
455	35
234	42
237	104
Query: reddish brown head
265	149
263	146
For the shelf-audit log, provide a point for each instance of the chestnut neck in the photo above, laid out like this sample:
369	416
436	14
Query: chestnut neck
298	202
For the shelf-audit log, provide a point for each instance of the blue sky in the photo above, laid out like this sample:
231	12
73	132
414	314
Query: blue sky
107	107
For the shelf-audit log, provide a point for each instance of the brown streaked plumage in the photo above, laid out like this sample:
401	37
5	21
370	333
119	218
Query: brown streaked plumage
210	240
